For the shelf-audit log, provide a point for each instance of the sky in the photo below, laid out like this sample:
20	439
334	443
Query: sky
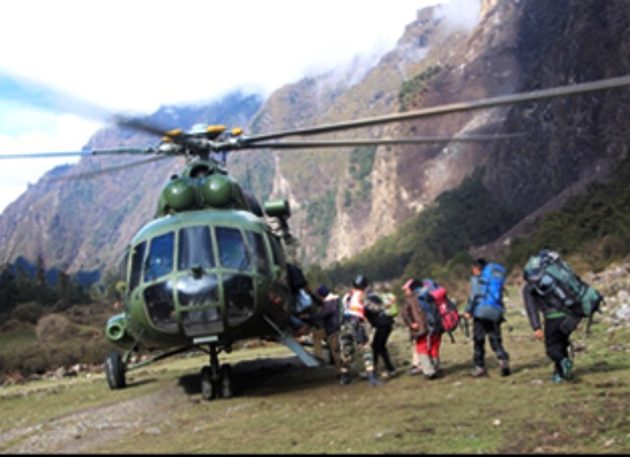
137	55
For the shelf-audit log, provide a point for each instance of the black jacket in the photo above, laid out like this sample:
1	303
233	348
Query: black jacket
535	304
375	312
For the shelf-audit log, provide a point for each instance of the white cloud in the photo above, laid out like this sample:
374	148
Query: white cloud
37	131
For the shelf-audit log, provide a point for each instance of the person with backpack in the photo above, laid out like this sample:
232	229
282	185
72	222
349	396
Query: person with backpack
485	307
382	322
354	331
415	320
553	289
428	342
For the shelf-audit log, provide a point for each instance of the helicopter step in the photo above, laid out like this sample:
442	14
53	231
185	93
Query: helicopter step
216	379
296	347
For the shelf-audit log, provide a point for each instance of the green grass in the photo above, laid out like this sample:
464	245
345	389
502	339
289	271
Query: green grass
301	410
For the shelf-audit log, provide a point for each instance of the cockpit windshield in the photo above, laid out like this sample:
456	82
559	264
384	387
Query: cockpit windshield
160	259
195	248
232	250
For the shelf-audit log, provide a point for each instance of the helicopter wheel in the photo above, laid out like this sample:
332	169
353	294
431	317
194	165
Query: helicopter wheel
115	371
208	385
226	381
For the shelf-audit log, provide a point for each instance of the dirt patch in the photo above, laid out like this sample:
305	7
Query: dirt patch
92	428
84	430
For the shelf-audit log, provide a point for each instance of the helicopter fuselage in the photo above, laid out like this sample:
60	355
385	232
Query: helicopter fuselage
203	276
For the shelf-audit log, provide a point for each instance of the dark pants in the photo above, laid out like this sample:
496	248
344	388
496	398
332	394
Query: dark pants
379	346
481	328
557	333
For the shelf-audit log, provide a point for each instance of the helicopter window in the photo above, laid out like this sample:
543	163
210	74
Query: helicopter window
232	250
195	248
198	291
161	306
239	298
160	259
260	253
136	265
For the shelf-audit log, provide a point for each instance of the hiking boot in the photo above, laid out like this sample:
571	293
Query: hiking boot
504	365
567	367
415	370
373	379
344	379
557	378
479	372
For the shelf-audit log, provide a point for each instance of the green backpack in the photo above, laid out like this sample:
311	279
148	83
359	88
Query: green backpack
554	279
390	303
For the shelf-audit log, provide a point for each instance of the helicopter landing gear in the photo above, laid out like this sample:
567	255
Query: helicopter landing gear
115	371
216	379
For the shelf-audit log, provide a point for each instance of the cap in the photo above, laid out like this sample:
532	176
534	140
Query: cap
322	290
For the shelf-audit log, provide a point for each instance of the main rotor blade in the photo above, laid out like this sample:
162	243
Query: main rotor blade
380	142
604	84
24	91
108	170
94	152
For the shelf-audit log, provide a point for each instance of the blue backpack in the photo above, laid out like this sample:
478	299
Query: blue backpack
490	303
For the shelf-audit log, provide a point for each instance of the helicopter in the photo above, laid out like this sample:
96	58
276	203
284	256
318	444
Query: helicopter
211	268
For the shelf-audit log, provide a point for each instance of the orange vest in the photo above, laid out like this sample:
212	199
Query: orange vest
355	305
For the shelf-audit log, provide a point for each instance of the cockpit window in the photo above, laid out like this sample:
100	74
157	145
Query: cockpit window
195	248
160	259
261	260
232	250
136	265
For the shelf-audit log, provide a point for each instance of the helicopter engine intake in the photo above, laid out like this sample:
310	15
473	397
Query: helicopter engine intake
116	330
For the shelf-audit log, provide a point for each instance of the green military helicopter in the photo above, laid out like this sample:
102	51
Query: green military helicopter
211	268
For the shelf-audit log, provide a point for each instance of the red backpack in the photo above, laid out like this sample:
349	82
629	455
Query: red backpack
448	311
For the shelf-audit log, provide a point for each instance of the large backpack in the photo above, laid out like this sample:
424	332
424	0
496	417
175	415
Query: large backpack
554	279
489	305
441	312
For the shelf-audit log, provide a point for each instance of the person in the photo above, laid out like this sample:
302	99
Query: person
426	344
486	309
303	298
559	321
354	332
329	318
415	320
382	323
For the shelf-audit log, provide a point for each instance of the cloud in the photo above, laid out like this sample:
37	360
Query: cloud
461	13
36	131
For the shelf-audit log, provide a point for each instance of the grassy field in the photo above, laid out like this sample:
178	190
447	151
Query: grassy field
281	407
